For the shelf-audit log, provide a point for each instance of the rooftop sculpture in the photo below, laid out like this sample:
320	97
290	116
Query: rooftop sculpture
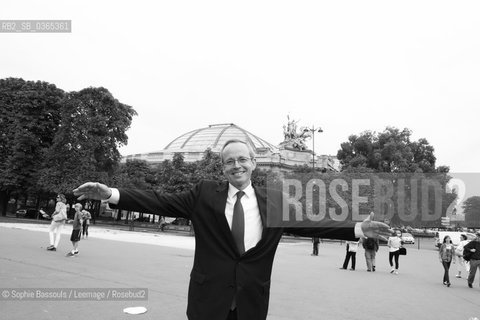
293	138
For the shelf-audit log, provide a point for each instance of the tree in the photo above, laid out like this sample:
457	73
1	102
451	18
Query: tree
93	125
29	120
388	151
423	157
404	165
173	176
471	208
135	174
51	141
210	167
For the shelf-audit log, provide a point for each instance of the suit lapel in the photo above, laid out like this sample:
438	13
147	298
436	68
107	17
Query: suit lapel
262	206
220	202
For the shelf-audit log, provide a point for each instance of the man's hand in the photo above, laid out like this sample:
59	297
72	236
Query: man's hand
375	229
93	190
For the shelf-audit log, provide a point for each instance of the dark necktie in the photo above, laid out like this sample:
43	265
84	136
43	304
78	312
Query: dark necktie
238	223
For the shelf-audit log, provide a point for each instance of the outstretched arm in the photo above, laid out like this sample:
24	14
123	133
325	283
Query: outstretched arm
343	230
148	201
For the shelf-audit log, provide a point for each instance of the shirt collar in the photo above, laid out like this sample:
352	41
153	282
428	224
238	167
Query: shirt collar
232	191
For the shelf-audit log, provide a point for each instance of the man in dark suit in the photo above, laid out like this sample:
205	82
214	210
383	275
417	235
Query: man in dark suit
235	248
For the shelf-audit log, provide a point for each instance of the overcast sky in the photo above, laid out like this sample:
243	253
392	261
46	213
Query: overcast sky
346	66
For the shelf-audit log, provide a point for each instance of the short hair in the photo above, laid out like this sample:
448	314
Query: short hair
79	205
463	236
250	150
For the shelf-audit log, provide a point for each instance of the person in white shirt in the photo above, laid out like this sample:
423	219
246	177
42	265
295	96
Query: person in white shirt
394	244
352	248
461	263
59	216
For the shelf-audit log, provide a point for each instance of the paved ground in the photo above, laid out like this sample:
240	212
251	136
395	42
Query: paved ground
303	287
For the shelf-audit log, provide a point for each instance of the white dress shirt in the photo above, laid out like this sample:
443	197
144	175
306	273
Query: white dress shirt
253	221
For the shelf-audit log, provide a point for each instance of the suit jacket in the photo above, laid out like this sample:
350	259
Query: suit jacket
219	272
474	244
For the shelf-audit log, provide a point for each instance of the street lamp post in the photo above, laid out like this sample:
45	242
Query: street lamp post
313	129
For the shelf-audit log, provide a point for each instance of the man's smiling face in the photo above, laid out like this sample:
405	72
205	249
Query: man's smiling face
238	164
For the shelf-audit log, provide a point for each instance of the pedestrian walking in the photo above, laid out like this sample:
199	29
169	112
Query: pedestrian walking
315	241
394	244
162	223
86	216
352	248
446	254
371	246
473	252
76	230
59	216
462	264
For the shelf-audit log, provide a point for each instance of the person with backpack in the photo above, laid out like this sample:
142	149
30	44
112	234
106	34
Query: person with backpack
471	251
371	246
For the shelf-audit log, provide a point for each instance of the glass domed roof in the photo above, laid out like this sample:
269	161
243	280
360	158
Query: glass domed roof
214	137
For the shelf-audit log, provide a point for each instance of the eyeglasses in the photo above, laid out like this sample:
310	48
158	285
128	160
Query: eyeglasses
241	160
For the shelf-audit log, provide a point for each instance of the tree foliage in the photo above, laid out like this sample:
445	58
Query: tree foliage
389	151
471	209
92	126
208	168
136	174
29	120
28	123
404	165
173	175
50	141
